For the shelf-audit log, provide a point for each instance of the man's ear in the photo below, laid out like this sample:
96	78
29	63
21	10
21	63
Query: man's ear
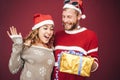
79	16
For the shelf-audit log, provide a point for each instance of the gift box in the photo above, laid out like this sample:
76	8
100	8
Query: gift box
75	64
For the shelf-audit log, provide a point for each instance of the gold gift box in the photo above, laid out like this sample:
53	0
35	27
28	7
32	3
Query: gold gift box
73	64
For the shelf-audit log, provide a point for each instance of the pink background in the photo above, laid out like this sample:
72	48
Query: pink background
102	17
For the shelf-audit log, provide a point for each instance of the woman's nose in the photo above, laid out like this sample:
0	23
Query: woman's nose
49	31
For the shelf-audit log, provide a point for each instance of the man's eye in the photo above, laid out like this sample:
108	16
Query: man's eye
69	16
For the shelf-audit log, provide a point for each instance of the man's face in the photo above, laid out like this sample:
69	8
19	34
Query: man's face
69	19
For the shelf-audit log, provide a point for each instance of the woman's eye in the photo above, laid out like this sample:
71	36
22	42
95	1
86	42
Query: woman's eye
45	28
51	29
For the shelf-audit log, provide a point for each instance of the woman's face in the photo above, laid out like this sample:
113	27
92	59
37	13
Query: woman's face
46	32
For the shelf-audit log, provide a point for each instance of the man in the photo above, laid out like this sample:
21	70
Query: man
75	38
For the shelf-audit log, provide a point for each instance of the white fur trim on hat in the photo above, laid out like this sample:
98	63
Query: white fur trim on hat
72	7
42	23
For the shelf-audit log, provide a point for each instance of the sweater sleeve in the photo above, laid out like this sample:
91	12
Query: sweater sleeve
15	61
93	51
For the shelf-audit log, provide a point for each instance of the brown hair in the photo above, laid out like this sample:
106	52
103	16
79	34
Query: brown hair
33	37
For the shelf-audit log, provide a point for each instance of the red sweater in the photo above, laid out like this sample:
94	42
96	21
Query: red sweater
82	40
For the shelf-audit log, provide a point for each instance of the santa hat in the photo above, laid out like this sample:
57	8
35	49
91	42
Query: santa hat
75	4
41	19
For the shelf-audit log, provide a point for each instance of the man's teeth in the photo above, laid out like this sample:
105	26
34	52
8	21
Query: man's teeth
66	24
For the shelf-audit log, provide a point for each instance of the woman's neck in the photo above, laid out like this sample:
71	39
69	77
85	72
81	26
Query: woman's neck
41	44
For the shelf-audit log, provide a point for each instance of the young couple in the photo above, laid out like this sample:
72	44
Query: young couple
34	54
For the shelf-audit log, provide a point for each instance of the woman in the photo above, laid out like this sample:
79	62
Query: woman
34	54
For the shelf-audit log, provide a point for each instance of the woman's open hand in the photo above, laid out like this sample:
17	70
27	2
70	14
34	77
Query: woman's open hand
13	31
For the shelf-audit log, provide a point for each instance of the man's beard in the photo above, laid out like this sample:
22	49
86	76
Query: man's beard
73	27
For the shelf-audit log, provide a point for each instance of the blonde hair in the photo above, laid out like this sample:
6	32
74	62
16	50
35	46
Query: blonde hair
33	37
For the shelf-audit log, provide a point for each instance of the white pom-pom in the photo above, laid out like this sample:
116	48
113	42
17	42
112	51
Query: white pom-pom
83	16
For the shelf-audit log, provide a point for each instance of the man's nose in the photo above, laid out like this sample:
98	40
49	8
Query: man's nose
65	19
